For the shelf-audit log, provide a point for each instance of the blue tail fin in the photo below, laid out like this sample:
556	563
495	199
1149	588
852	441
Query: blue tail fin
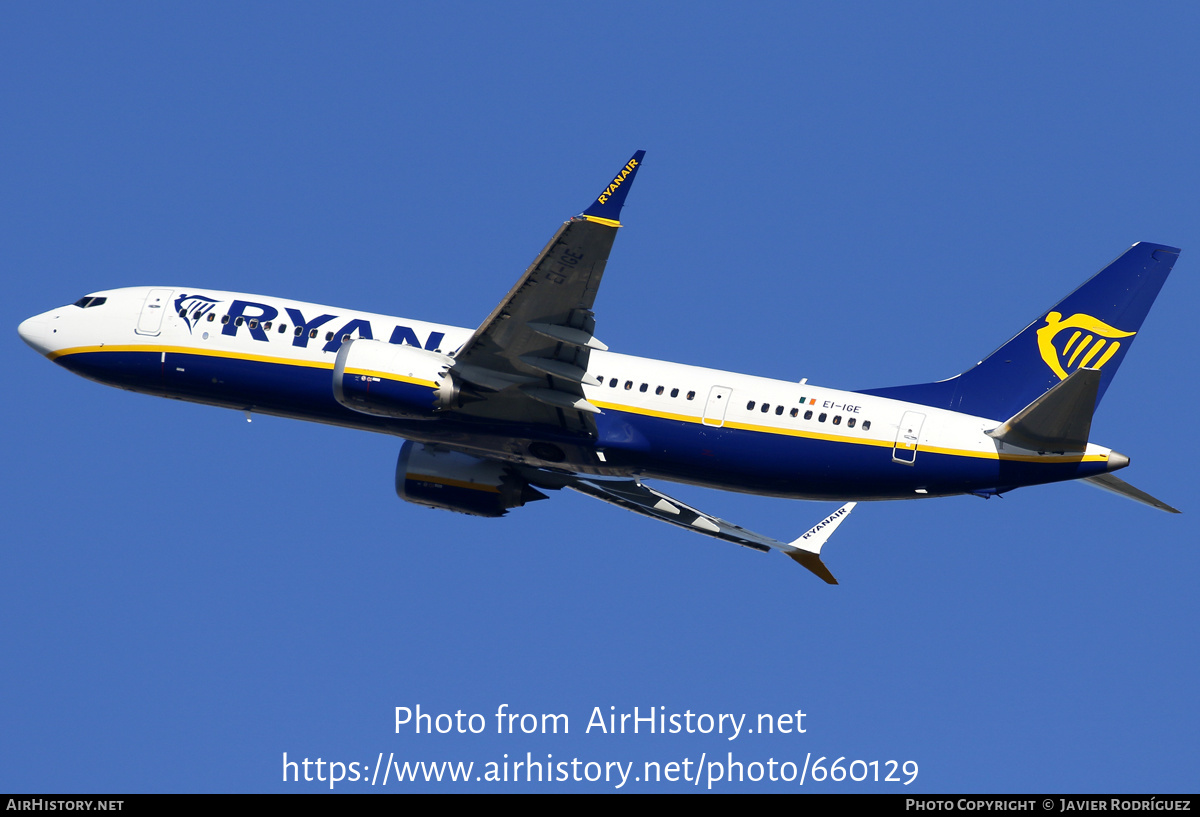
1093	327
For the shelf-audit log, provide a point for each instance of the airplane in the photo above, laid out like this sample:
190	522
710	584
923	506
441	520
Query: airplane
531	401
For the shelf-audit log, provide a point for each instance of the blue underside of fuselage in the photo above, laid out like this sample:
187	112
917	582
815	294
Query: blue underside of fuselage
632	443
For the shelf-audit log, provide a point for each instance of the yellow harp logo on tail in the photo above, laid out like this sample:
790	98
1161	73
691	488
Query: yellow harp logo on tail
1092	343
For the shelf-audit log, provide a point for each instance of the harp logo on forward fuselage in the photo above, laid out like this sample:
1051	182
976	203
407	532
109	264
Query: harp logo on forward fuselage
194	307
1092	343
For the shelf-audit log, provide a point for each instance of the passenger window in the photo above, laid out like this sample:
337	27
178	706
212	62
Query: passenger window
254	323
850	423
674	392
345	337
866	425
267	326
224	319
312	333
795	412
628	385
691	395
821	417
808	414
282	328
659	390
612	384
238	321
778	410
837	421
765	408
211	315
750	406
644	387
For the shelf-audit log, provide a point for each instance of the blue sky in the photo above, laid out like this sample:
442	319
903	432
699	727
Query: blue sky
858	194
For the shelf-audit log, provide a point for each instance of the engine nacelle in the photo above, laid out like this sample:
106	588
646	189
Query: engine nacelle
459	482
393	380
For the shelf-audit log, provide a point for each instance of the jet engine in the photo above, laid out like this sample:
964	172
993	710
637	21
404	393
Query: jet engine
453	481
393	380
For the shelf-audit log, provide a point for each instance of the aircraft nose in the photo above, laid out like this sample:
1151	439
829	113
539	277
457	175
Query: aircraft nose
37	333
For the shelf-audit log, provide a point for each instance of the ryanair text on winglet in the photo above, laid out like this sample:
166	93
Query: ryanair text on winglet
840	512
612	188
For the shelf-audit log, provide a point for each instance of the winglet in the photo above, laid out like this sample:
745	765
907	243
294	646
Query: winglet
806	550
606	209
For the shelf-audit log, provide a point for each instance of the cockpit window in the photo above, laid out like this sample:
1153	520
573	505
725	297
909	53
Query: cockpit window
89	300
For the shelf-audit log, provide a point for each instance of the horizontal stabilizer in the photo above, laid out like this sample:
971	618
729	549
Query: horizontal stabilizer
1119	486
1059	420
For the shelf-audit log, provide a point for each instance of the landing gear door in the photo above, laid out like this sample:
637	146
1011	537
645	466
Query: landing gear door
907	436
156	305
714	409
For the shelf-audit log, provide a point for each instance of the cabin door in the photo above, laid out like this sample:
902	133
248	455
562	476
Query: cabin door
714	409
156	305
907	437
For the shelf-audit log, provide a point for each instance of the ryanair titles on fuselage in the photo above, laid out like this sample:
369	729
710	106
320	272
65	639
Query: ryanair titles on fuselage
612	188
255	317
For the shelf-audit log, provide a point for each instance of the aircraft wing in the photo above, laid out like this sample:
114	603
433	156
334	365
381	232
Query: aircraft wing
528	360
634	496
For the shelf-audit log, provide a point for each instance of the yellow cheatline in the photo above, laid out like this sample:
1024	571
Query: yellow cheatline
610	222
992	455
686	418
811	435
187	350
832	438
230	355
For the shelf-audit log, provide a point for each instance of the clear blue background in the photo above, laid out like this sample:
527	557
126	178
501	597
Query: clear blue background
861	194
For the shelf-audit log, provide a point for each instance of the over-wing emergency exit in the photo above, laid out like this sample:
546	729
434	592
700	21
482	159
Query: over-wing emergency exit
532	402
